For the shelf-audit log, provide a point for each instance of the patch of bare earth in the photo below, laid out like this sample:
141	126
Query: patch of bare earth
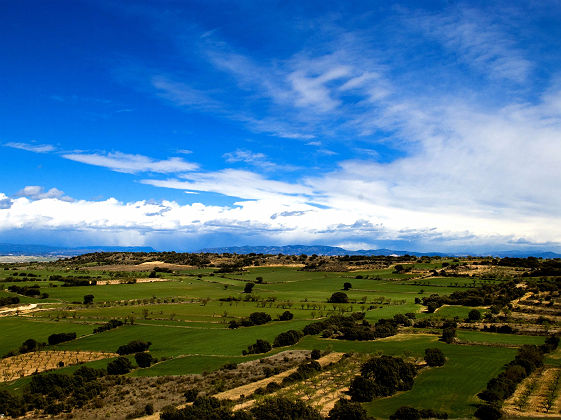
145	266
537	396
16	367
123	396
249	389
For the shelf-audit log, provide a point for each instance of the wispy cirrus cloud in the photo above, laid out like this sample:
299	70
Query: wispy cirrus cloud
236	183
478	40
129	163
31	147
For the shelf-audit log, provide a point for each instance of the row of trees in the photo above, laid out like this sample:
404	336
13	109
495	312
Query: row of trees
527	360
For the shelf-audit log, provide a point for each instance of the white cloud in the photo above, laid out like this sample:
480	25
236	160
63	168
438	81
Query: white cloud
5	202
479	42
235	183
35	192
246	156
31	147
128	163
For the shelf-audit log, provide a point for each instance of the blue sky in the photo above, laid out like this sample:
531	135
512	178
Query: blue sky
183	124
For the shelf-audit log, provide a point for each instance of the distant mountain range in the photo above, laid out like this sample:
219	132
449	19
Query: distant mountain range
54	251
46	250
333	250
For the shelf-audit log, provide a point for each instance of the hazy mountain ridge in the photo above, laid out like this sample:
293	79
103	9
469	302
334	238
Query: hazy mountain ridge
54	251
332	251
47	250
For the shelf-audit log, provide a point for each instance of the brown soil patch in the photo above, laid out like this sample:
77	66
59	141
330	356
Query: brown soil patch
537	396
16	367
234	394
147	266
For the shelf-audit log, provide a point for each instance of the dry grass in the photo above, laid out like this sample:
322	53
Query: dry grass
16	367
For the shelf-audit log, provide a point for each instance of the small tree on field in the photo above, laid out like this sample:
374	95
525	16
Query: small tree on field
88	299
339	297
474	315
347	286
248	287
448	335
286	316
143	360
347	410
434	357
119	366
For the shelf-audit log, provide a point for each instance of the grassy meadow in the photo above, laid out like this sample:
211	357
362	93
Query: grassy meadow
186	314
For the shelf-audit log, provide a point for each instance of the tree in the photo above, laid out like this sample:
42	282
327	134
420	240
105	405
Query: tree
119	366
488	412
287	338
143	359
406	413
260	346
474	315
347	410
362	389
339	297
448	335
88	299
280	408
347	286
29	345
434	357
259	318
390	374
248	287
135	346
259	280
286	316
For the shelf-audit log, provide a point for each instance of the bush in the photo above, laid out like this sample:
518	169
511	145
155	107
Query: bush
61	338
191	395
259	318
260	346
474	315
119	366
248	287
133	347
434	357
347	286
316	354
339	297
287	338
88	299
286	316
488	412
362	389
143	360
390	374
448	335
29	345
114	323
347	410
406	413
282	408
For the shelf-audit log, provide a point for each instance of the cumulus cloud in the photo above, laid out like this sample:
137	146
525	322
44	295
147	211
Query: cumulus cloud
35	192
5	202
135	223
128	163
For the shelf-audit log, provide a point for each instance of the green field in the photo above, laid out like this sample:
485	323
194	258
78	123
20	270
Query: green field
186	320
